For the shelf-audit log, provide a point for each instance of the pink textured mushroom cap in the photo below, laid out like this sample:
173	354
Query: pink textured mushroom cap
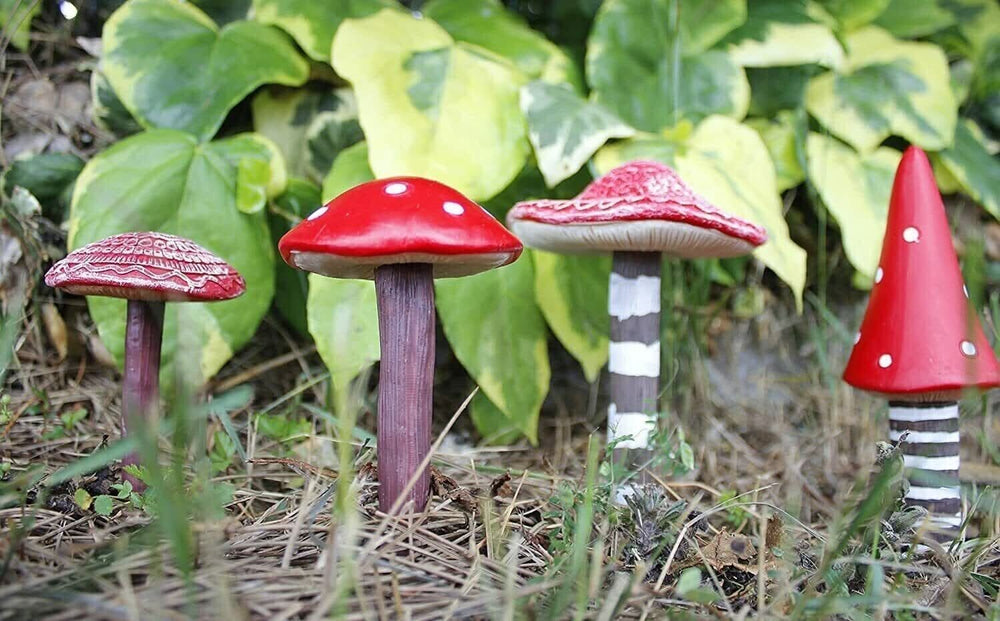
639	206
148	266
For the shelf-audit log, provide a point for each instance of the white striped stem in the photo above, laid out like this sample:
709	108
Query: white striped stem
633	359
929	438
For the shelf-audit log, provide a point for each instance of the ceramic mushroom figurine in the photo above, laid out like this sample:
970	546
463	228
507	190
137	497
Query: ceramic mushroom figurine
148	269
402	233
920	345
639	212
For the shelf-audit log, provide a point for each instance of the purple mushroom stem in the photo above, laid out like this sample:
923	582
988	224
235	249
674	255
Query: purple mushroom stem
405	294
141	382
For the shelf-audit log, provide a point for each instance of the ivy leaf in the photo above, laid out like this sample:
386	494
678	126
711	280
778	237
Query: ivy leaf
565	129
975	168
727	163
635	69
781	136
498	334
291	286
343	320
164	180
572	293
348	170
889	87
779	33
855	188
173	67
310	126
312	23
852	14
907	19
109	111
493	425
432	107
15	18
703	24
489	25
49	177
224	11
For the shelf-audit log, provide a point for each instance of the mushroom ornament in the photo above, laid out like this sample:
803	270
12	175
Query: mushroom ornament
401	232
639	212
148	269
920	344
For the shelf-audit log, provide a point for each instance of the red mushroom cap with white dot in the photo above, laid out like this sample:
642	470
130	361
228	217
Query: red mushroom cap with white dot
399	220
639	206
920	340
151	266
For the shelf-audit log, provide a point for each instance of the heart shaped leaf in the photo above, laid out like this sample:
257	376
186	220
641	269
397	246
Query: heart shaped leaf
565	129
779	33
889	87
164	180
173	67
432	107
313	23
975	168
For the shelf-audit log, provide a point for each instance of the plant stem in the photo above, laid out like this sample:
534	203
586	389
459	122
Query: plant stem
405	294
141	384
930	456
634	355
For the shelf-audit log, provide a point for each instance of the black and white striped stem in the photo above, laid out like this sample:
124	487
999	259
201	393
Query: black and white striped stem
633	357
930	455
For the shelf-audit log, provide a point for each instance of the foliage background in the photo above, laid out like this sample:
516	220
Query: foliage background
235	119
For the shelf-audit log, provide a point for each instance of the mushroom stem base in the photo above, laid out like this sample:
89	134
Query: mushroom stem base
141	382
929	439
405	294
634	356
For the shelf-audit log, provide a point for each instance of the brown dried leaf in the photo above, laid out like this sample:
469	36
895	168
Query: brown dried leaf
55	329
728	550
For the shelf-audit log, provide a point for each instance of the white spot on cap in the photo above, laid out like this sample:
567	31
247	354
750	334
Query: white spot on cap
319	212
965	290
911	234
395	189
453	208
857	337
885	361
68	9
878	275
968	348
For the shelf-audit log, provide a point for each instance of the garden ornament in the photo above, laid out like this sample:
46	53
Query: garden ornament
402	233
638	212
920	345
148	269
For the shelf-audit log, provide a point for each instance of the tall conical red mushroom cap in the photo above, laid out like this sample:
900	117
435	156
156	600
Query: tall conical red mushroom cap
399	220
920	339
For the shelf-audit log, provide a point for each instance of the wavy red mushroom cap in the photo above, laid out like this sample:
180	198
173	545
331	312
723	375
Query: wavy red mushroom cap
639	206
399	220
151	266
920	340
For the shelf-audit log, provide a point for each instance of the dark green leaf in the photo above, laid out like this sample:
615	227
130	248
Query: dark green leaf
907	19
291	286
47	176
173	67
975	168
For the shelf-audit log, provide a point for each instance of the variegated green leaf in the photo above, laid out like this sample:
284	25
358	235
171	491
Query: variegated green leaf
727	163
853	14
572	292
312	23
780	136
163	180
343	320
855	188
173	67
888	87
907	19
493	425
432	107
565	129
498	334
310	126
15	20
974	167
703	23
635	68
349	169
779	33
489	25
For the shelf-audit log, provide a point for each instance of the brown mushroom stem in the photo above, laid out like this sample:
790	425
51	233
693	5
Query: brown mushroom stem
405	294
141	384
634	355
